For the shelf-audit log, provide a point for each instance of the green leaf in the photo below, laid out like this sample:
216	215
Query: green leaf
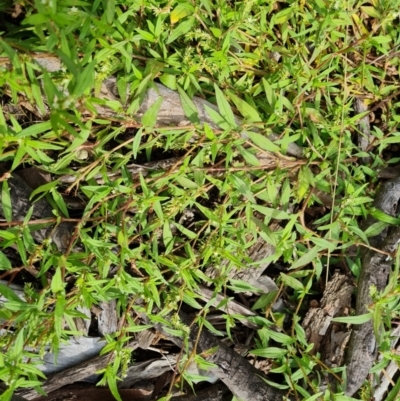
188	106
218	119
181	11
110	11
59	200
248	156
283	15
18	345
242	286
6	201
181	29
149	118
35	129
3	124
57	282
360	319
264	300
153	68
272	213
112	383
292	282
85	79
167	234
224	107
281	337
169	81
138	328
185	231
307	258
5	262
270	352
8	293
247	111
382	216
208	213
36	19
185	182
263	142
136	143
189	299
242	187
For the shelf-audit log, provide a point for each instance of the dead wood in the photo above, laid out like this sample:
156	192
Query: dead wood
148	370
86	368
231	307
329	338
238	374
335	302
363	348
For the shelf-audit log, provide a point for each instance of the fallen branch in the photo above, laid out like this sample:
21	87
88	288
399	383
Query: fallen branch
238	374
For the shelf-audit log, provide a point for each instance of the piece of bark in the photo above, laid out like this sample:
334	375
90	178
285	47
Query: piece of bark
148	370
335	302
375	268
242	378
21	204
74	352
74	374
82	324
364	137
330	338
107	318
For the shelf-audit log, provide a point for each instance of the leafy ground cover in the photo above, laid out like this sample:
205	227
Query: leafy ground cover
292	69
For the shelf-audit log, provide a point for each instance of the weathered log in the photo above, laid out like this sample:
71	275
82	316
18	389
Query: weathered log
171	111
238	374
375	268
82	370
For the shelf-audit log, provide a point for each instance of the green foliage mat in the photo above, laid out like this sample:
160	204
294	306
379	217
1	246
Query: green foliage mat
292	70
